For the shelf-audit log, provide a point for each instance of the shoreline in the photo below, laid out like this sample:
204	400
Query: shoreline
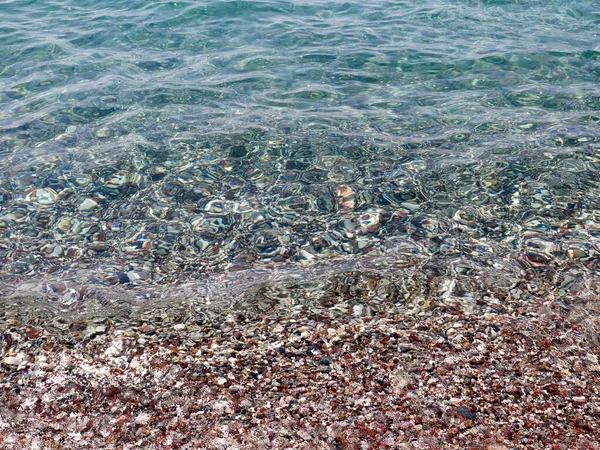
516	375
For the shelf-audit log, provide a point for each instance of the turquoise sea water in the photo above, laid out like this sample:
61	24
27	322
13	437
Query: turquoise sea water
241	144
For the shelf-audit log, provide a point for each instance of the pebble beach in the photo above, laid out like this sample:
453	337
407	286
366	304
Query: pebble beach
299	224
521	375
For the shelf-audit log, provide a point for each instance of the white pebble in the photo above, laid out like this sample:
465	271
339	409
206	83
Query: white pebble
88	205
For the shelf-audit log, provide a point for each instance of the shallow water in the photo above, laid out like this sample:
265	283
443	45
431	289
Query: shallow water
289	151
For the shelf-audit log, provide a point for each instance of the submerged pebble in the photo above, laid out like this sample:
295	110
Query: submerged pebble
44	197
88	205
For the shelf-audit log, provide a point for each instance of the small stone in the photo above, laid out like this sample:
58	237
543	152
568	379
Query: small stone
133	276
406	347
74	252
123	278
466	413
158	172
399	380
70	296
78	326
115	349
147	329
142	418
196	336
88	205
14	360
325	361
43	196
411	206
103	132
362	243
56	252
93	331
238	151
112	280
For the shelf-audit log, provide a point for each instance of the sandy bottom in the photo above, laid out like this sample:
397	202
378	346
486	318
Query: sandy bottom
510	377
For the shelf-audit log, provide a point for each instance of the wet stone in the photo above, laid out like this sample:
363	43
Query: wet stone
238	151
147	329
93	331
326	361
103	133
134	276
88	205
16	360
44	197
123	278
466	413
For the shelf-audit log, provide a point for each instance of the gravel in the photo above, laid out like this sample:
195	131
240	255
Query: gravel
517	377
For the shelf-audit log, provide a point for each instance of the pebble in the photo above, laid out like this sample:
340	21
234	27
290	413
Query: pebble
103	132
88	205
123	278
466	413
93	331
134	276
16	360
147	329
45	196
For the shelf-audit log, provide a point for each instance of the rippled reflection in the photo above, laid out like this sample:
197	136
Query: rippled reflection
174	142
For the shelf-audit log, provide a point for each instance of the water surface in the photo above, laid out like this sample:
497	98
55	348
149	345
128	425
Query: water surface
293	151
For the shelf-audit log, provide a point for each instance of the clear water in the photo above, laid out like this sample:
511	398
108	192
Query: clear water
298	150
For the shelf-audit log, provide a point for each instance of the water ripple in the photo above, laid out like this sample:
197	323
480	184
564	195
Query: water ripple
175	139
